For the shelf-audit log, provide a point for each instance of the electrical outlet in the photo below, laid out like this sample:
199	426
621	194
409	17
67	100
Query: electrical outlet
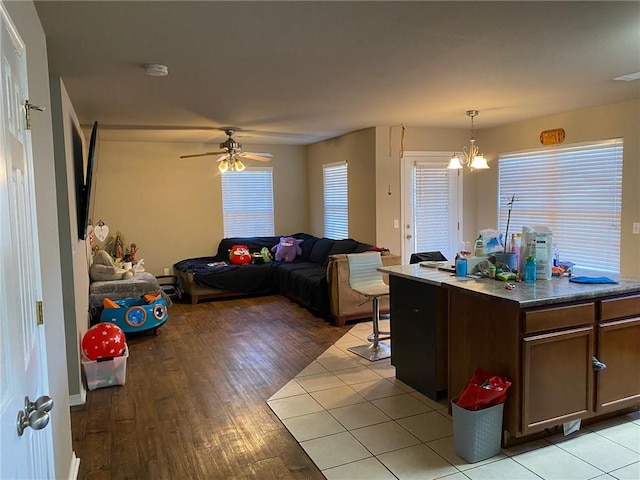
636	228
166	271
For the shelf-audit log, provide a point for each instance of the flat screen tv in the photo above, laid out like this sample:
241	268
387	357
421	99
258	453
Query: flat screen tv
85	183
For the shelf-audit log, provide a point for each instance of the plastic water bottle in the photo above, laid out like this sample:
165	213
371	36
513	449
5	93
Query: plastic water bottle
530	270
556	255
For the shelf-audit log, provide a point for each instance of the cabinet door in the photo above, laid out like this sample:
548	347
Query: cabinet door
619	348
557	378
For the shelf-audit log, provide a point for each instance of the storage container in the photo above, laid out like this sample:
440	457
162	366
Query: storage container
105	373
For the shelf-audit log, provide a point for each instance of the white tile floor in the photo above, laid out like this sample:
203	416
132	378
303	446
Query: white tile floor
356	421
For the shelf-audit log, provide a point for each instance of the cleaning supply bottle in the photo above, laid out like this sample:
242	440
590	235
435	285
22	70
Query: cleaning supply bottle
479	248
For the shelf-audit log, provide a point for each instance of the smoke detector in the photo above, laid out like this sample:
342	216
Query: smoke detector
156	70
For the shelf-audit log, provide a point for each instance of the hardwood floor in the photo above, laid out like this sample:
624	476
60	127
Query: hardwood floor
193	405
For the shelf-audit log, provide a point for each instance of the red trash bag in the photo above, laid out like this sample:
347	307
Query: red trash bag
483	390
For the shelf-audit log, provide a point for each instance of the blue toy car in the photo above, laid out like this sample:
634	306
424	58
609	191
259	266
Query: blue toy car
136	314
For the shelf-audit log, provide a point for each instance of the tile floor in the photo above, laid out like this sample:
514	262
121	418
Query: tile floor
356	421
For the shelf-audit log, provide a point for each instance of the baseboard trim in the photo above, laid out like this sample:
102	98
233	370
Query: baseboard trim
78	398
74	468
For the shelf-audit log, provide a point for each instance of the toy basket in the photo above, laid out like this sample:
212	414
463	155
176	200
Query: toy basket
105	372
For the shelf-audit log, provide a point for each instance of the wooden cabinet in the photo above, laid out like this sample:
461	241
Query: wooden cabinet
557	378
419	335
618	346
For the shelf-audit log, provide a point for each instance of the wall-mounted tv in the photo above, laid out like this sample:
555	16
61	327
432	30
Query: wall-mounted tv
85	183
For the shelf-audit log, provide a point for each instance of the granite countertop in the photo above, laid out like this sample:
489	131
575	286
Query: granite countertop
542	292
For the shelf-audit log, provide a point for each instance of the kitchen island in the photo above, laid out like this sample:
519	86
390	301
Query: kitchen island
541	336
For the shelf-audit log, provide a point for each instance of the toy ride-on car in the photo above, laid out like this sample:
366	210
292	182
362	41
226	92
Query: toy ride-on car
139	314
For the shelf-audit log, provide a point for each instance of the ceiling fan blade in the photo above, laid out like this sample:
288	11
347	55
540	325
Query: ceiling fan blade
226	156
260	156
200	154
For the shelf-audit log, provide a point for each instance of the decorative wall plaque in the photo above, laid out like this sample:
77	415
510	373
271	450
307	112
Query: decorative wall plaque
552	137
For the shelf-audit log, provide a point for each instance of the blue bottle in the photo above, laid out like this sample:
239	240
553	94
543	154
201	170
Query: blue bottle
530	270
461	267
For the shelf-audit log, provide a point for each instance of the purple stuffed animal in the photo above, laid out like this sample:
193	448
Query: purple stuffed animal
288	249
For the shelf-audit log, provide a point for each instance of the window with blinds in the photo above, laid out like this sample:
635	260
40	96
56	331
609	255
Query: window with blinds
336	202
576	191
435	205
247	202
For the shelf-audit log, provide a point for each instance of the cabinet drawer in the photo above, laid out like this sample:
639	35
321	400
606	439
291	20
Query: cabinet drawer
559	317
620	307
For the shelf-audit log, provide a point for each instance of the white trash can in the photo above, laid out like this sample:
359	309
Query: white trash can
477	434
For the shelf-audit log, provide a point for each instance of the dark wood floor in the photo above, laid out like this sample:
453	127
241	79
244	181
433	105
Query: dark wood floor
194	402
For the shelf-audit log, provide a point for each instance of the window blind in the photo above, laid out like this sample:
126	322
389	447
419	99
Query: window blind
432	211
336	201
576	191
247	202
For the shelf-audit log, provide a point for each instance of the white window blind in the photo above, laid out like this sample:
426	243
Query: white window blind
434	210
336	202
247	202
576	191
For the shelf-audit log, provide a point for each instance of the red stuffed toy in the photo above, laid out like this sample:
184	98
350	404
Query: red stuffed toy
239	255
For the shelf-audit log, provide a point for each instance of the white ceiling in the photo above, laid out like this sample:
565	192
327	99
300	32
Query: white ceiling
299	72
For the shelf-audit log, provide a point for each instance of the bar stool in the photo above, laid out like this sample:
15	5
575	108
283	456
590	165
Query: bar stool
365	279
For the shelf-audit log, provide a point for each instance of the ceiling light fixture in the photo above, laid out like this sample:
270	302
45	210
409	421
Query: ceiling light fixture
472	157
231	165
156	70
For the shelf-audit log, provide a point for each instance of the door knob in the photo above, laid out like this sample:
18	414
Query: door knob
35	414
408	236
38	419
44	403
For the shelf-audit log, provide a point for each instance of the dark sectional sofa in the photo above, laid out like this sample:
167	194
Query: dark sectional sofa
312	279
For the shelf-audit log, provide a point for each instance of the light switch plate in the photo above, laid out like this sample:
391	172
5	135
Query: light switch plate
636	228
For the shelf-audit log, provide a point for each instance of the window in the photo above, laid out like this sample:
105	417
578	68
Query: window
576	191
336	202
435	206
247	202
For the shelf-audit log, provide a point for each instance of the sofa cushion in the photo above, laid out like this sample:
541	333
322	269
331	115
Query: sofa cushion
363	247
320	251
307	245
310	286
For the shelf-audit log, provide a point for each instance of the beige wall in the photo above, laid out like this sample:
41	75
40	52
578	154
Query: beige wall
358	149
171	207
73	251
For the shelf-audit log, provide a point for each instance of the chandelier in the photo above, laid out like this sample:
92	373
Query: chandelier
472	158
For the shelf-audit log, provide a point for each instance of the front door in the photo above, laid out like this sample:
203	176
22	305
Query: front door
22	346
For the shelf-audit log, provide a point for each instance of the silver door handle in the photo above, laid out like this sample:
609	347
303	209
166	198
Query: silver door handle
35	414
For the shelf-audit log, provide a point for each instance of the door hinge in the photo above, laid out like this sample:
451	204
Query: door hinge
39	313
27	112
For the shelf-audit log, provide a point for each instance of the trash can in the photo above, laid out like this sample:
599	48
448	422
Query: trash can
477	434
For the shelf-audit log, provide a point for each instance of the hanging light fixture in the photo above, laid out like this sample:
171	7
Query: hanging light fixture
472	157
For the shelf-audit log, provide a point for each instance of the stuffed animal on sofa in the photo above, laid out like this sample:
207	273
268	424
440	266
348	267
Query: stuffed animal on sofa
239	255
104	268
288	249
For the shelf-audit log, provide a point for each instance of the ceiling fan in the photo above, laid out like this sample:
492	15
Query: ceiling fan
231	154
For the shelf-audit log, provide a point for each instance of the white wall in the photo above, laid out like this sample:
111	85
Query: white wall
27	22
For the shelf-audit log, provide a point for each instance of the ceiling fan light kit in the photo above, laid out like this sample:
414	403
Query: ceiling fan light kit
231	154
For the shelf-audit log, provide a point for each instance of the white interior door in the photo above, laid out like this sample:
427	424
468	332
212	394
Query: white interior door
432	205
22	349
